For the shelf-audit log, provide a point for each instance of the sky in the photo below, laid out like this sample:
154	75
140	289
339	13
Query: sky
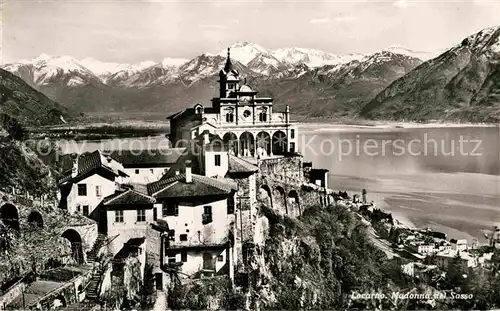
139	30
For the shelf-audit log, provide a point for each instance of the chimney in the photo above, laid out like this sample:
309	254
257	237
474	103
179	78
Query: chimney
189	176
206	138
177	172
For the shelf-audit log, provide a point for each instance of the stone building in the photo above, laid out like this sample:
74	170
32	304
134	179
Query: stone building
93	177
199	211
249	125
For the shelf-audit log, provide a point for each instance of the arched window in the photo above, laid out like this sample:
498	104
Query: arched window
263	115
229	116
198	109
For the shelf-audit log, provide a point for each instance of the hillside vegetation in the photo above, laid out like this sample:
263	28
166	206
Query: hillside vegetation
27	105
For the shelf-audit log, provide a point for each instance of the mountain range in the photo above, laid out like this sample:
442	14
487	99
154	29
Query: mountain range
93	86
393	83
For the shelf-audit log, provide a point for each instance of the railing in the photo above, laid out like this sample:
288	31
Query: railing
188	244
24	198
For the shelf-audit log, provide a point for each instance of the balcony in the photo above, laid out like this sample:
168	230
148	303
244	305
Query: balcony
214	244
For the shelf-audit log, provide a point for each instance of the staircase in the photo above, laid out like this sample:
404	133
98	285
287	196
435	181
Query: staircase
91	292
92	254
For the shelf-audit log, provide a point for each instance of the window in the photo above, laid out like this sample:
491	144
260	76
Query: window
151	170
230	205
230	86
155	214
137	171
98	191
141	215
229	117
183	237
247	113
292	147
118	216
171	260
184	256
82	189
78	208
207	214
217	160
220	258
207	209
170	208
292	134
171	235
263	115
85	210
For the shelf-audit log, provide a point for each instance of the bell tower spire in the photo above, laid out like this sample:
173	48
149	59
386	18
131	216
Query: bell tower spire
228	78
229	66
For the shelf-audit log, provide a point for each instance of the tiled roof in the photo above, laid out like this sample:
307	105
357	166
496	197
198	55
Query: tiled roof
88	162
177	114
238	165
128	197
66	177
149	158
176	187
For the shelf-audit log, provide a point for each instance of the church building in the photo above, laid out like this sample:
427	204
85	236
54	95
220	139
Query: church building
249	125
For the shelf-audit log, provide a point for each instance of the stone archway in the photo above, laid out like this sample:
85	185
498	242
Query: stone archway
230	141
59	303
293	202
265	195
247	145
76	245
35	219
280	143
279	200
263	144
9	216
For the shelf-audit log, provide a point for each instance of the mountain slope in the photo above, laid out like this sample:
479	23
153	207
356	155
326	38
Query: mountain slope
24	103
461	84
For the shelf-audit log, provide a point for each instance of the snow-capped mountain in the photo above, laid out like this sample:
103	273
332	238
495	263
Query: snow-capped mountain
310	57
52	70
293	73
460	84
280	63
102	69
397	49
245	52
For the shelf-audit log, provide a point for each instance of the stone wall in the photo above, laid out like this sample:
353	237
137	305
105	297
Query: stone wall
11	294
283	187
278	184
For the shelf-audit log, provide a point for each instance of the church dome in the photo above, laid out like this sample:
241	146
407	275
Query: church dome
245	88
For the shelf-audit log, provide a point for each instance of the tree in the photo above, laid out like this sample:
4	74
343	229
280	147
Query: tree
12	126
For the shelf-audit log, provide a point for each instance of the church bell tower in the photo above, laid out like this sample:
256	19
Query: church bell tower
228	78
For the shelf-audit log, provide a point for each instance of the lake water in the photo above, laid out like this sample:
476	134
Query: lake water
443	178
